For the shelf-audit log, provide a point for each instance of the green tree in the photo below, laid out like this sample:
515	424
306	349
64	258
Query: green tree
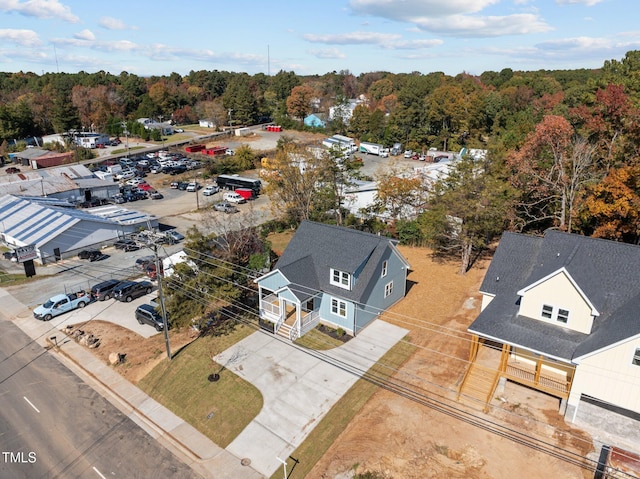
239	101
466	210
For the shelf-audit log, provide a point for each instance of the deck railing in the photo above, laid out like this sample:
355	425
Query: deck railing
555	386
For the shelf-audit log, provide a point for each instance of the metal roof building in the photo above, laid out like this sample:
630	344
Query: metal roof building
59	232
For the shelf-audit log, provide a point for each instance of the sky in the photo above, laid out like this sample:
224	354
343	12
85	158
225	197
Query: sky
311	37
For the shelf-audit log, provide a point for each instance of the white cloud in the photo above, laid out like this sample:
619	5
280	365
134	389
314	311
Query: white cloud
327	53
588	3
492	26
111	23
39	9
25	38
353	38
406	9
454	17
85	35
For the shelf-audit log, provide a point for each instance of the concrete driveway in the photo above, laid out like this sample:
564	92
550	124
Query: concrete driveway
117	312
298	386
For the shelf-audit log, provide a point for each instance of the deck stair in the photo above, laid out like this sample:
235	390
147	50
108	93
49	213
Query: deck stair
284	331
478	386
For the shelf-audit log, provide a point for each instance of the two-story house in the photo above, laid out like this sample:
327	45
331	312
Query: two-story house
563	313
335	275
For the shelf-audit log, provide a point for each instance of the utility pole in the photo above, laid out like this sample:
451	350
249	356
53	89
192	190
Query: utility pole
152	240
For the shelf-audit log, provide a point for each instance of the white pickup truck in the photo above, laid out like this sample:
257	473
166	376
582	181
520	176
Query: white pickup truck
60	304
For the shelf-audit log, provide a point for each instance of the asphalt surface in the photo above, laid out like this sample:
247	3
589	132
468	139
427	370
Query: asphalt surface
54	425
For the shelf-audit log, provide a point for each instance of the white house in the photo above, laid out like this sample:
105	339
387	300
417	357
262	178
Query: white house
565	310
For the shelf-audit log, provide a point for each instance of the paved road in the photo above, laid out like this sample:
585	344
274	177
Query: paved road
54	425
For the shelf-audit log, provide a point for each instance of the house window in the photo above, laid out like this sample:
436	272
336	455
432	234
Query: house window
636	358
559	314
388	289
338	307
340	279
385	265
563	315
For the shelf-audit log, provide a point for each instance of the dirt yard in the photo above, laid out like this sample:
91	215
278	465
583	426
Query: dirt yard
401	438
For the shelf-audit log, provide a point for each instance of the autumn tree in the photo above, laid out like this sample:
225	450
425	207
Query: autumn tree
550	170
400	195
612	206
299	101
297	174
466	210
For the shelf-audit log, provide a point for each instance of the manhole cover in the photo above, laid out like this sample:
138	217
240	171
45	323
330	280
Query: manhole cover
245	461
214	377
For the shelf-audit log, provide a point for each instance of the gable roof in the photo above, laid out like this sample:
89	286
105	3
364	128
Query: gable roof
316	248
605	271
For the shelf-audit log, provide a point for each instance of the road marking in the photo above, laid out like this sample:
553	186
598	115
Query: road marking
98	472
31	404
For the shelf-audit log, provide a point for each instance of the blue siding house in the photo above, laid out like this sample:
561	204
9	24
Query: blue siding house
332	275
314	121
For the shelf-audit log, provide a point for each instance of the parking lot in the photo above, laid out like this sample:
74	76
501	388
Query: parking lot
116	312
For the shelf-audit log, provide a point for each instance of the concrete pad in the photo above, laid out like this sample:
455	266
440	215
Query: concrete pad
299	387
262	447
225	465
195	441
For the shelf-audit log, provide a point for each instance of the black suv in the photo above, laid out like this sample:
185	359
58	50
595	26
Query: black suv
129	290
104	291
146	314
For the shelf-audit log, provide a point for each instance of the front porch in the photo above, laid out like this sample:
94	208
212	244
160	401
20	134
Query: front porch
489	361
288	319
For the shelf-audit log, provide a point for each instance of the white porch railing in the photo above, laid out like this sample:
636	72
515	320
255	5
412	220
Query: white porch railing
270	307
308	322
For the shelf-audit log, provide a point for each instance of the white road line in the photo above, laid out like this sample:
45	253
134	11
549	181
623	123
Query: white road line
31	404
98	472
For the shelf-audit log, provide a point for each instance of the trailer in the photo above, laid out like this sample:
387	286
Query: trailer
371	148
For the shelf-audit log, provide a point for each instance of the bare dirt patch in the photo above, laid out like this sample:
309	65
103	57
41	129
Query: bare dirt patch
142	355
401	438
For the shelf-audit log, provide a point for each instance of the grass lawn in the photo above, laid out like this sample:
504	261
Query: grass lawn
326	432
279	241
221	409
318	341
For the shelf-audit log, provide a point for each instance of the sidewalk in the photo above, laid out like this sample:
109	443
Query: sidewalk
191	446
299	387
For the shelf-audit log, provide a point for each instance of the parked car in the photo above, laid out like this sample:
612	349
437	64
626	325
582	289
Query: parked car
130	290
408	153
233	197
10	255
92	255
146	314
12	169
104	291
142	262
182	186
123	243
210	190
119	199
174	236
174	184
193	186
155	195
225	207
151	271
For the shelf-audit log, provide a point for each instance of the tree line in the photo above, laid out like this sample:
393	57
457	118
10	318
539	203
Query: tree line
562	144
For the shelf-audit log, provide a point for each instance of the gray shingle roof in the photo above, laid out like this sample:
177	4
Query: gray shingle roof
317	247
606	271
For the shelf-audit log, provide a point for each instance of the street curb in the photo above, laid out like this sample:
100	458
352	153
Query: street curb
171	437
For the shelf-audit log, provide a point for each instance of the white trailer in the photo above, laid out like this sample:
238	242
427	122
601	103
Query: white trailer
371	148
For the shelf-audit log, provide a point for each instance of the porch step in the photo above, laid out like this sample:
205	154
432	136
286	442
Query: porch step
284	331
478	386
